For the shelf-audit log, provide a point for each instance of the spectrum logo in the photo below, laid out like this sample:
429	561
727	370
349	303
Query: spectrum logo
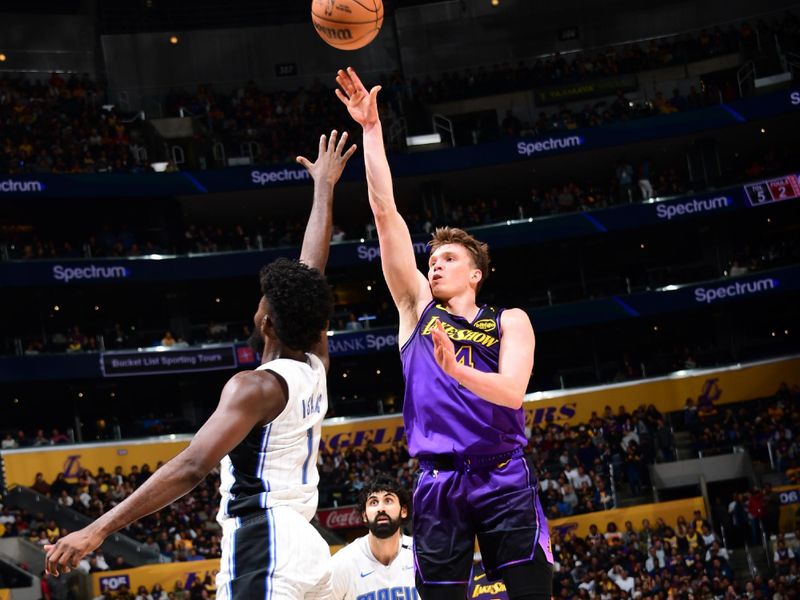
89	273
670	211
266	177
709	295
531	148
21	187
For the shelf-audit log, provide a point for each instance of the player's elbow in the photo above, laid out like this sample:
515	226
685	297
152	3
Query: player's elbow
515	401
193	469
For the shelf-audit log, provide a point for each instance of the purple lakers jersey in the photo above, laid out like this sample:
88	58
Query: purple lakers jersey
442	417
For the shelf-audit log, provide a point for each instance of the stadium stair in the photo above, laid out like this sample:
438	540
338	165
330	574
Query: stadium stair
118	544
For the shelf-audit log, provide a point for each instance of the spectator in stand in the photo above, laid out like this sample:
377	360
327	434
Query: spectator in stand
40	485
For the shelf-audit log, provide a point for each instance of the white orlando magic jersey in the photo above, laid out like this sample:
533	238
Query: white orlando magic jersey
276	465
358	575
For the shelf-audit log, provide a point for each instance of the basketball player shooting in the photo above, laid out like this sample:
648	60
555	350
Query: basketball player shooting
466	369
265	431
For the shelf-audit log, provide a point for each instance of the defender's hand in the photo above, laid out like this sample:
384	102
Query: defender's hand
66	553
361	104
331	159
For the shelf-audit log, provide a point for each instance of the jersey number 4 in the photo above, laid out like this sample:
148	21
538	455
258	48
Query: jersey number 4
464	356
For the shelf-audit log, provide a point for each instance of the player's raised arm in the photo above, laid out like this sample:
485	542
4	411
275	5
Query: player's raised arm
409	287
248	399
326	171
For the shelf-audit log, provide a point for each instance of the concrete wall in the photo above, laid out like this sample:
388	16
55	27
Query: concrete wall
713	468
36	45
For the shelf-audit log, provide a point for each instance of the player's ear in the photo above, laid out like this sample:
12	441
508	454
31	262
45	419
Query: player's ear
404	513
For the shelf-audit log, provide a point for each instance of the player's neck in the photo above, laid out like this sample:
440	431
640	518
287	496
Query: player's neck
386	550
278	351
463	306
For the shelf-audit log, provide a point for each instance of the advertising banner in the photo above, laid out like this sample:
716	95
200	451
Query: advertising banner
606	86
22	465
737	383
233	179
789	496
167	360
524	232
578	525
343	517
167	574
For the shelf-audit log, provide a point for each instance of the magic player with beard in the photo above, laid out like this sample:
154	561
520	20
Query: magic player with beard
264	433
379	565
466	368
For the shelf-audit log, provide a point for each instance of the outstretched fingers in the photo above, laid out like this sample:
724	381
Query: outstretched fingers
350	151
332	141
323	144
340	95
354	78
342	142
346	83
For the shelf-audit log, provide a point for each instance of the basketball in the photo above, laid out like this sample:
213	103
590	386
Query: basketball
347	24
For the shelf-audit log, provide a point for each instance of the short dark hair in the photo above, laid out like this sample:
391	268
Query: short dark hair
388	485
300	299
479	251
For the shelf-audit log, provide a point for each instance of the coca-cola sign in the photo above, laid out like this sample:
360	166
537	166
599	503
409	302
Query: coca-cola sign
340	518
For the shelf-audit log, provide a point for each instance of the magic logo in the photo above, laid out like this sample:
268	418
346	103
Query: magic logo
461	335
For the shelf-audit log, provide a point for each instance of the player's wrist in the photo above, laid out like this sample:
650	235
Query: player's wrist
459	373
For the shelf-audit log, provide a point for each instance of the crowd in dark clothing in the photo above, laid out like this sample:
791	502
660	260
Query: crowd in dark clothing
662	561
580	469
611	61
185	530
65	125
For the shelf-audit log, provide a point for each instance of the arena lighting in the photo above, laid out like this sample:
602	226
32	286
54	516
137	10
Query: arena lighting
3	57
423	140
173	40
495	2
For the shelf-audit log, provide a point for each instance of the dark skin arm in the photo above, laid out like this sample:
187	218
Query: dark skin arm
325	172
249	399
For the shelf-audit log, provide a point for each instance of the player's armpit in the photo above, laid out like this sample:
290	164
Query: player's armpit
250	398
516	348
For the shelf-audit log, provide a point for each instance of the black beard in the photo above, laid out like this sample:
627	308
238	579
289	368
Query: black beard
384	530
256	343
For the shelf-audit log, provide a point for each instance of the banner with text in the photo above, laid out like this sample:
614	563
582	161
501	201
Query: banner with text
578	525
789	517
705	386
160	361
344	517
234	179
22	465
709	387
525	232
166	574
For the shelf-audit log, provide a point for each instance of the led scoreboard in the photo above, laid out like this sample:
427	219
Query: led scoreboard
773	190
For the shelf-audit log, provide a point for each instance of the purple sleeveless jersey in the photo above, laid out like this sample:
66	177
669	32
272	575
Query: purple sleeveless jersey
442	417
